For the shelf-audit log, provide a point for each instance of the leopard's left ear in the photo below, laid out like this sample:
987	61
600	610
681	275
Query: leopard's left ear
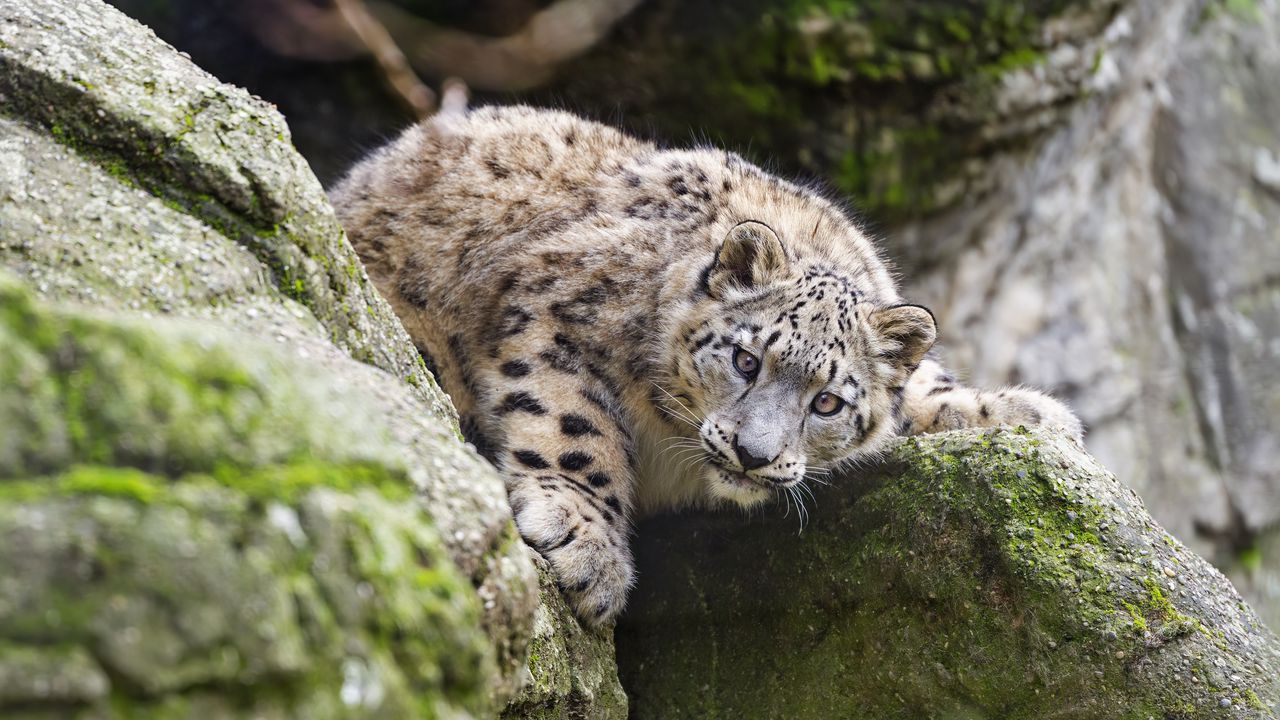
750	256
906	333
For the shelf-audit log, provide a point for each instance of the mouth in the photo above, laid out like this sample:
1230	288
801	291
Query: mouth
738	488
739	480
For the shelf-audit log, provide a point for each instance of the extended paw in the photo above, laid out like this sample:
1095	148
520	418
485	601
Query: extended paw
954	408
594	578
1019	406
591	561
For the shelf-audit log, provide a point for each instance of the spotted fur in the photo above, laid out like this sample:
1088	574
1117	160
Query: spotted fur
589	301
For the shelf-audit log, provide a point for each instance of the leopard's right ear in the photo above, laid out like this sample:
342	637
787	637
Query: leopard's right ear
906	333
750	256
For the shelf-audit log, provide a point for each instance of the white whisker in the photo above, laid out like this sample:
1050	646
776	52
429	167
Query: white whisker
808	491
679	417
686	414
684	456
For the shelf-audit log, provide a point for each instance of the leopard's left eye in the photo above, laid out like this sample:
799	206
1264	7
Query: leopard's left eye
826	404
745	363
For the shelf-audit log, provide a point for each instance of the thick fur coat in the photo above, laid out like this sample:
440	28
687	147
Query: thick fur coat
625	328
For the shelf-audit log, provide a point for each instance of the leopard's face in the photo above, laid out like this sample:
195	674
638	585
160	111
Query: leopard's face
790	377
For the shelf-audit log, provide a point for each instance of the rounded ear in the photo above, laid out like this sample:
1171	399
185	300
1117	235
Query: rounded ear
906	332
750	256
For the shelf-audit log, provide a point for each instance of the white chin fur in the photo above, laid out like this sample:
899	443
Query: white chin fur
722	487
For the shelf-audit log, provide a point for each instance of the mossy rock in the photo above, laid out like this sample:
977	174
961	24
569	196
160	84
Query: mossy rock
572	673
191	347
199	523
973	575
133	595
900	104
150	128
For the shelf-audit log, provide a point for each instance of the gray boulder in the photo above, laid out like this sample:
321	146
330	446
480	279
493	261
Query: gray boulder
975	574
228	486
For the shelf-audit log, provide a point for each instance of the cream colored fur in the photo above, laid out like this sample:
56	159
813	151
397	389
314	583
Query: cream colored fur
589	301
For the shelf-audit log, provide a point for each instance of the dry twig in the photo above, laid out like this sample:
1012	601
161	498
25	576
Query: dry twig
349	28
520	61
395	67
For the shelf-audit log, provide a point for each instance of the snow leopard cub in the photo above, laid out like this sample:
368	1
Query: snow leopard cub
597	306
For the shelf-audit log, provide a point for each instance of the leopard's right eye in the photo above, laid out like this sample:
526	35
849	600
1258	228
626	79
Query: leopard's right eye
747	365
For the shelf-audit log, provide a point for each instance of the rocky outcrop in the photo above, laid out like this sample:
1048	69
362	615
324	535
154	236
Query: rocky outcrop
228	486
974	574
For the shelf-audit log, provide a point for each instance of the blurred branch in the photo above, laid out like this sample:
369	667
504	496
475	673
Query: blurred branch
520	61
453	97
299	29
395	67
350	28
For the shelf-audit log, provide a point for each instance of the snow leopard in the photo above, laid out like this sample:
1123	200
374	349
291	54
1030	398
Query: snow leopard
625	328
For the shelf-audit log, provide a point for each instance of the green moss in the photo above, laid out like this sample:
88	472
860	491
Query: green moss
274	616
125	395
571	668
113	482
817	84
1251	559
289	481
1013	60
1158	615
1241	9
286	482
276	211
972	576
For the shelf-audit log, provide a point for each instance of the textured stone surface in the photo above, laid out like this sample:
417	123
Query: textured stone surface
228	487
894	103
98	82
125	250
210	504
975	575
203	524
571	672
1129	260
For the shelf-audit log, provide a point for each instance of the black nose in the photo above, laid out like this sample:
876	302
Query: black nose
749	461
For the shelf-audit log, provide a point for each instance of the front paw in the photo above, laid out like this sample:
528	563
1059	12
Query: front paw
591	563
1019	406
594	578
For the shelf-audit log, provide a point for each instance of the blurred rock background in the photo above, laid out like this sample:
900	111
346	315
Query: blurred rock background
1085	191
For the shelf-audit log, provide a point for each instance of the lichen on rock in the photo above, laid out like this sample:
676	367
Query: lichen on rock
571	670
180	516
98	82
898	103
188	323
228	485
228	488
975	574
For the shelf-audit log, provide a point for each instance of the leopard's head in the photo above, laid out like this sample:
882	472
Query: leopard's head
786	367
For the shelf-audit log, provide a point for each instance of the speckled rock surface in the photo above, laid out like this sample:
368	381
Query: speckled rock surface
127	102
1128	259
572	673
228	486
208	525
974	575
